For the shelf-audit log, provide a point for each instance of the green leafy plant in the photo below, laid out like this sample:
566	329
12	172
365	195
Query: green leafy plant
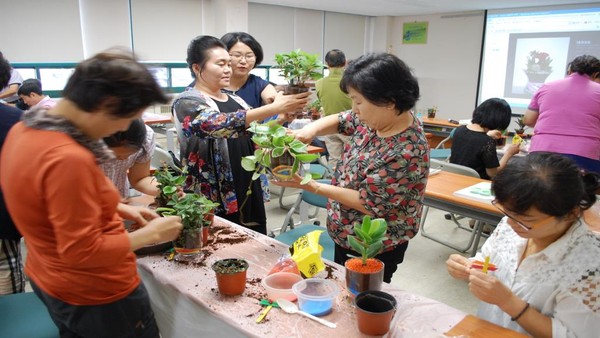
191	208
315	107
273	142
368	237
521	124
167	184
297	67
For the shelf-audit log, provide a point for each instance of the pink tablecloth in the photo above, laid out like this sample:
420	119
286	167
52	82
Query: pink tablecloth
187	303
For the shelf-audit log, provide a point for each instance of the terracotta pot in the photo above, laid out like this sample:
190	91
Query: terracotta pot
231	276
361	278
188	243
208	221
374	312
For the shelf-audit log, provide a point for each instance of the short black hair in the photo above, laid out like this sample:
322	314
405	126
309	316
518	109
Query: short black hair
114	80
30	86
492	114
335	58
550	182
134	136
5	71
585	65
230	39
197	51
382	79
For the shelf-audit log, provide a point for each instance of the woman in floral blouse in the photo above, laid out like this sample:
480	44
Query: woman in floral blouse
211	127
384	167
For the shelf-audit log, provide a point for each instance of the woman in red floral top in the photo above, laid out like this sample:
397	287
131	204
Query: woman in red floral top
384	167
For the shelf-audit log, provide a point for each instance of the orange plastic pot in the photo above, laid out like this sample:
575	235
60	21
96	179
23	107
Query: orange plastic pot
374	312
231	276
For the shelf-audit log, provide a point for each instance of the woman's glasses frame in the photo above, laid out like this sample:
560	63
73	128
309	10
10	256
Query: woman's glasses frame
238	57
519	223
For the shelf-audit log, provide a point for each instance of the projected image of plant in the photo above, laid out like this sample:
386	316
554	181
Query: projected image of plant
538	66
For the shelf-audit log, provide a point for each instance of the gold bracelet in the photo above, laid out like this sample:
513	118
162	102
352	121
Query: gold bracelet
515	318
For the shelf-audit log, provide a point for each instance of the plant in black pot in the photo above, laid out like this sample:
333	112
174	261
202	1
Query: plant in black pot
521	126
366	272
297	67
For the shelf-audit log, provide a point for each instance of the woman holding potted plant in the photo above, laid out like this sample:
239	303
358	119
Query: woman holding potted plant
384	168
212	132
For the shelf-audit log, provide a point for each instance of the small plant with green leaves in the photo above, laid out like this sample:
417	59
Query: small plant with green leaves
368	237
192	208
273	143
168	183
521	125
297	67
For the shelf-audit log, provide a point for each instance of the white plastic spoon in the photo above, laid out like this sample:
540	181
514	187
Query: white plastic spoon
290	307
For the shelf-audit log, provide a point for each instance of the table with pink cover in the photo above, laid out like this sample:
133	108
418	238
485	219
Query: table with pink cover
187	303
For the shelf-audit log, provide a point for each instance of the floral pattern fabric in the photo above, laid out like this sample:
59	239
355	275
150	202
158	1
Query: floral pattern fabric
203	133
390	174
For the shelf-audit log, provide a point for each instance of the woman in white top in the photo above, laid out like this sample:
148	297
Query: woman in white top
547	282
131	166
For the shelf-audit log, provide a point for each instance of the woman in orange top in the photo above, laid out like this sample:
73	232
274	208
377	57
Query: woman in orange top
80	259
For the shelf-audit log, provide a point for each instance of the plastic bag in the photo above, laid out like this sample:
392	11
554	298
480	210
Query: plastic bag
306	252
285	264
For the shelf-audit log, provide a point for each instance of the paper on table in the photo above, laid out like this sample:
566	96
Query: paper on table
481	192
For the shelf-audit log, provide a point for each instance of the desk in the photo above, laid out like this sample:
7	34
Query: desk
439	194
440	129
151	118
187	303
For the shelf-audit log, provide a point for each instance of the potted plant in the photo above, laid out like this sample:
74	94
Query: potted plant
231	275
366	273
520	130
168	184
431	112
297	67
278	153
192	208
314	109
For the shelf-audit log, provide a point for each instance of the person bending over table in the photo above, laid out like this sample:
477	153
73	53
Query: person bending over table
131	166
211	127
80	259
548	272
384	167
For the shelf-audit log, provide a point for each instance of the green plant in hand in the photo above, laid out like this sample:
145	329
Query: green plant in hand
368	237
273	142
521	123
297	67
191	208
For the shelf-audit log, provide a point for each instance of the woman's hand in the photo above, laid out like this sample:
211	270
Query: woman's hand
139	215
304	135
293	183
488	288
291	103
495	134
458	266
158	230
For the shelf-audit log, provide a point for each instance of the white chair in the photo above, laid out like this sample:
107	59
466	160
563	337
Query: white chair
478	228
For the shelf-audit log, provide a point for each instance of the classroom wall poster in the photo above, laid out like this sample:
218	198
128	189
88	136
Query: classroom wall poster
414	33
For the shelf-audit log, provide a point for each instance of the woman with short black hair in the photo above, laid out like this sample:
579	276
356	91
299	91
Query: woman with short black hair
547	271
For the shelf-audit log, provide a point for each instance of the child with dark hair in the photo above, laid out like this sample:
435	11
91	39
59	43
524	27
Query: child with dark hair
131	166
31	93
547	271
472	145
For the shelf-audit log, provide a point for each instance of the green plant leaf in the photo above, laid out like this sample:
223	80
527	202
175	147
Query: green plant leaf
255	176
374	249
366	224
363	235
249	163
306	158
295	166
168	190
278	141
355	244
307	178
378	228
277	151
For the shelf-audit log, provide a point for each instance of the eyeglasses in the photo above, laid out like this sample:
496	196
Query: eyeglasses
525	227
238	57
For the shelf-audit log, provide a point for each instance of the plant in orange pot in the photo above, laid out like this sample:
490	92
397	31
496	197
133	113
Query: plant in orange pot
366	273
